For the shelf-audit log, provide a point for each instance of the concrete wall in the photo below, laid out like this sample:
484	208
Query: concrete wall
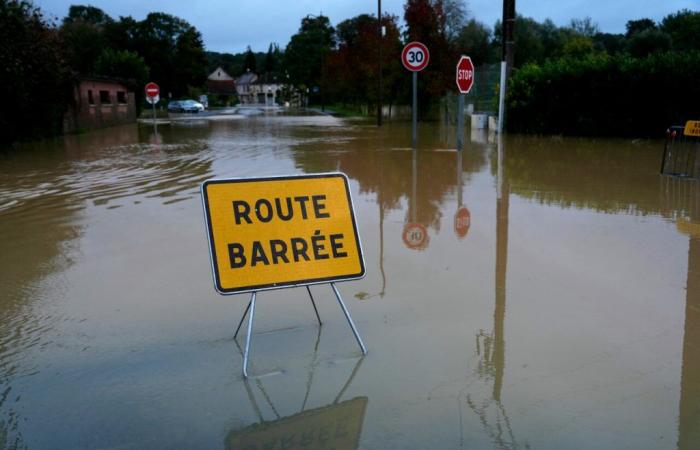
98	104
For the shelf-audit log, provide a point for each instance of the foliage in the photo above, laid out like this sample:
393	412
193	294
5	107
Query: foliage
250	64
350	72
605	95
474	39
36	81
125	65
171	48
648	41
684	28
308	49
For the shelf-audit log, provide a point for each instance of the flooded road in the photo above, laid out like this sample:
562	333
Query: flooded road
561	310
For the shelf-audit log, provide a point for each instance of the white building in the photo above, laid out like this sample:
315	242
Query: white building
253	89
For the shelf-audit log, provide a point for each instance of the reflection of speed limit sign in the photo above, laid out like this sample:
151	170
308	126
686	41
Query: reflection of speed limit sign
415	56
415	236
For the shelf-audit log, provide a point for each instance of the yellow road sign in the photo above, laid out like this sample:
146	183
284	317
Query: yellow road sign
692	128
267	233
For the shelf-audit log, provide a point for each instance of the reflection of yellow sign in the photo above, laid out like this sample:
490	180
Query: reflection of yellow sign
688	228
266	233
337	426
692	128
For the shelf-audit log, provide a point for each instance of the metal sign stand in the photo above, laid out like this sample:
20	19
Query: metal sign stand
251	308
414	115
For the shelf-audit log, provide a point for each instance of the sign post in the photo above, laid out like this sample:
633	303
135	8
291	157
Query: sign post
415	57
465	80
152	96
281	232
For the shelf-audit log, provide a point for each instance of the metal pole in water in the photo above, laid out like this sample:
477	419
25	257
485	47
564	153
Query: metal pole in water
460	121
502	97
414	135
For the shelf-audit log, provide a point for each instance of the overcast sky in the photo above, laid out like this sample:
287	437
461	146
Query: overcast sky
231	25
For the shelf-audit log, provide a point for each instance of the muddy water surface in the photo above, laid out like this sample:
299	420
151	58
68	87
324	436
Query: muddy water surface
561	310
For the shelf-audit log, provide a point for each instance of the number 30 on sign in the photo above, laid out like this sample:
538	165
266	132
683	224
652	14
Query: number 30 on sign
415	56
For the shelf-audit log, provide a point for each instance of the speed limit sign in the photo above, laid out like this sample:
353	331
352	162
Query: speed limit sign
415	56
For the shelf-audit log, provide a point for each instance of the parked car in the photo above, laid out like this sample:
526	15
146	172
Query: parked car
185	106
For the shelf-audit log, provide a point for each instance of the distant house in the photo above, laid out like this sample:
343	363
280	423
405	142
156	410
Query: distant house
98	103
220	83
254	89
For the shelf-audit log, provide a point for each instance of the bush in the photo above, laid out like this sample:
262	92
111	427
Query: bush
605	95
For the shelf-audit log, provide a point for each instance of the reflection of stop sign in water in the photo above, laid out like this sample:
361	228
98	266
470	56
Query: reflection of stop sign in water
415	236
463	220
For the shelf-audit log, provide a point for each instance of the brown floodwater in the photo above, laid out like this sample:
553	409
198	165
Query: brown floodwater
561	311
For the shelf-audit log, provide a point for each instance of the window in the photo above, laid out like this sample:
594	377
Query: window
121	97
91	99
104	98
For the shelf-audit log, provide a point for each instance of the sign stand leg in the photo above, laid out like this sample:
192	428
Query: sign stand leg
249	332
241	322
350	322
314	303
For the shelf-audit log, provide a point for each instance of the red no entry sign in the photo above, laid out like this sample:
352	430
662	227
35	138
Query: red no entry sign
465	74
415	56
152	90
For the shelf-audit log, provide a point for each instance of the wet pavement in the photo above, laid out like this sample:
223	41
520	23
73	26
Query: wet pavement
535	293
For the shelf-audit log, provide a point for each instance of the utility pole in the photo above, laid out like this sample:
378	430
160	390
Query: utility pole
379	32
507	55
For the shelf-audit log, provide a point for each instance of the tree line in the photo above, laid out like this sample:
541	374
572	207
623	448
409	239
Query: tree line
571	79
633	84
43	60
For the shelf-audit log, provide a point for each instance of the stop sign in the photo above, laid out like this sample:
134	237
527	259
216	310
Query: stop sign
463	220
152	90
465	74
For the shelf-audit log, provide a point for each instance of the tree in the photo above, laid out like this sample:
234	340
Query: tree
271	64
455	16
585	27
83	33
648	41
350	71
578	46
307	50
173	50
37	82
250	64
125	65
87	14
684	28
637	26
474	39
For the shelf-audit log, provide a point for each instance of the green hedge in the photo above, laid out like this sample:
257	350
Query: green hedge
602	95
